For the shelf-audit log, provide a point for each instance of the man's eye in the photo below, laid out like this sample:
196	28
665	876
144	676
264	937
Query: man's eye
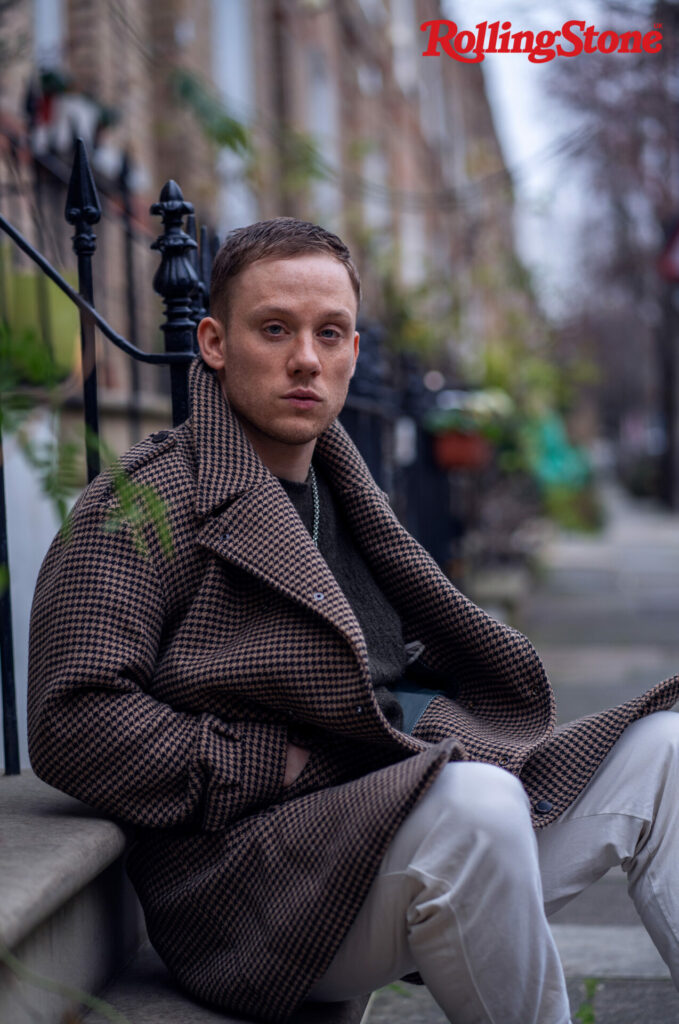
274	329
329	333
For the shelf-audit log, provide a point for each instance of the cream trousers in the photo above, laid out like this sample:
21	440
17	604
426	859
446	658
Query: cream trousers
464	890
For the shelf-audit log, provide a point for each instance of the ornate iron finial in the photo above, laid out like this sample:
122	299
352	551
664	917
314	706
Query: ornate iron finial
82	202
176	278
176	281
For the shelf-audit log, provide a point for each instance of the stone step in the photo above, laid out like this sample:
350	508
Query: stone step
146	994
70	921
68	917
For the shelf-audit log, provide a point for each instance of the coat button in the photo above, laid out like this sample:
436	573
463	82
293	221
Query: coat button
359	709
503	759
543	806
318	596
160	435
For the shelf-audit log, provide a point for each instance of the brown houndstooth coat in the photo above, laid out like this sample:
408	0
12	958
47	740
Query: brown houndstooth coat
162	691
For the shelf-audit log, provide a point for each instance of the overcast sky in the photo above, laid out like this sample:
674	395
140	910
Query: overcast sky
532	126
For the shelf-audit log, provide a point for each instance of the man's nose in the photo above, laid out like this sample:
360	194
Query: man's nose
304	356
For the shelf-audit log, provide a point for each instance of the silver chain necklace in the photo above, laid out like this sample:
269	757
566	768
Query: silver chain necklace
317	505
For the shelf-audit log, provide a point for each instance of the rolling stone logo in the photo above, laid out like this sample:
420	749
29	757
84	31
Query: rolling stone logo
573	38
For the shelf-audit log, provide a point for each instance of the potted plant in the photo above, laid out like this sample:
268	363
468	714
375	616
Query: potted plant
464	425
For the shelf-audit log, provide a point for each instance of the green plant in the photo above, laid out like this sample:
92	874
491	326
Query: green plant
139	505
585	1012
484	411
571	508
215	120
30	380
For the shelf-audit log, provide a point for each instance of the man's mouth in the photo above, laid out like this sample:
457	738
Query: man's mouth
302	398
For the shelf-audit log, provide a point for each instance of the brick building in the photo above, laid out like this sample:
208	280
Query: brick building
345	122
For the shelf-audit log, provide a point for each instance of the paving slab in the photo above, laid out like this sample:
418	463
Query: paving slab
146	994
608	951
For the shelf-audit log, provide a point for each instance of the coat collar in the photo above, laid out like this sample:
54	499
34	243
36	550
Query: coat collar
228	466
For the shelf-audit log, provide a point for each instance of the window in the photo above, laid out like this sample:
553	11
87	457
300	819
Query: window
232	72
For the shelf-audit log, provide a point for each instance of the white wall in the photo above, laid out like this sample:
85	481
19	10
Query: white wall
31	525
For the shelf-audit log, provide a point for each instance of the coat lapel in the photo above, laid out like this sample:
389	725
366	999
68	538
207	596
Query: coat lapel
248	518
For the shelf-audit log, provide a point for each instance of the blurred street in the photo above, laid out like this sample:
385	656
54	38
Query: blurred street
604	617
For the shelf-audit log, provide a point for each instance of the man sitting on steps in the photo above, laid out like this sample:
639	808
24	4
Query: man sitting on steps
340	769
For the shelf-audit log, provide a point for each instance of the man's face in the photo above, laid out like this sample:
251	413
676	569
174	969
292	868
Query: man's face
289	349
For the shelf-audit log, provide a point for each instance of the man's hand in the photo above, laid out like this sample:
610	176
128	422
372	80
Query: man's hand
296	760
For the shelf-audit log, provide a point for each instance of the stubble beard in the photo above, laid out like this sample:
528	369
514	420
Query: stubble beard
293	434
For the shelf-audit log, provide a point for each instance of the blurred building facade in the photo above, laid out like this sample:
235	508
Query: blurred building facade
318	109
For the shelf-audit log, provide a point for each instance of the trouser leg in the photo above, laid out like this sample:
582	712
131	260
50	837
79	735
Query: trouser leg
628	815
458	897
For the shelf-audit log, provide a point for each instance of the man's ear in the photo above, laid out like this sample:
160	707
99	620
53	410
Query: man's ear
356	339
211	342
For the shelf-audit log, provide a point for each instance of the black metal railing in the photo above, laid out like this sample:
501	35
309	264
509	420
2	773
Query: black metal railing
178	282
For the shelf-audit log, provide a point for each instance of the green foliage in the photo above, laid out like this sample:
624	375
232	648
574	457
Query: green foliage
30	302
417	318
214	119
489	412
30	377
574	508
585	1013
301	162
28	373
58	465
139	506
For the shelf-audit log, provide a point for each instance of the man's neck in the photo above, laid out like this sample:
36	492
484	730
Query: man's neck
290	461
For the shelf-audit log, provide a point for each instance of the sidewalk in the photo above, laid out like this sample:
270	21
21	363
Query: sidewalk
604	616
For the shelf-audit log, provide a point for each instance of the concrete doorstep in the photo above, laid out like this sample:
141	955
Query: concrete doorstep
68	916
70	923
145	994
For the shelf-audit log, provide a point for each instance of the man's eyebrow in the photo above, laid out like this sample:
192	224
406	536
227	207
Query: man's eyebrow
273	310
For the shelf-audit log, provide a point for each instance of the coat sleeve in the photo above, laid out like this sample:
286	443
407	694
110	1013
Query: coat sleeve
94	729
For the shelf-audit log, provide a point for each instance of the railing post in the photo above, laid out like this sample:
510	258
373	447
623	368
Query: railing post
131	295
199	304
176	281
9	702
370	418
83	210
205	266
